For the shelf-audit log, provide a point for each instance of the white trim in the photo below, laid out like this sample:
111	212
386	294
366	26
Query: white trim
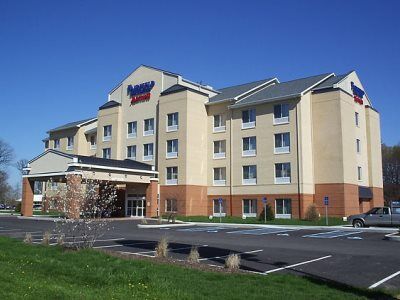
147	157
282	180
249	125
111	168
107	138
249	181
219	155
52	174
172	155
282	150
220	182
249	153
171	181
281	121
219	129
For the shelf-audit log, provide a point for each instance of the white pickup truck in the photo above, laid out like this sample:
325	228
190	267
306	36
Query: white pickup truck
377	216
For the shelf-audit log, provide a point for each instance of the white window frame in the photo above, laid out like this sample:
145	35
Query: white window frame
220	127
106	149
283	216
250	214
217	213
148	157
249	152
249	181
281	119
171	181
70	143
219	155
283	180
148	132
127	152
284	149
249	124
56	146
358	146
174	127
93	146
132	134
107	138
172	206
173	154
359	173
219	182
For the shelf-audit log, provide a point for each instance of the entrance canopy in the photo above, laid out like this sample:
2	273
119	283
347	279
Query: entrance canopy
57	165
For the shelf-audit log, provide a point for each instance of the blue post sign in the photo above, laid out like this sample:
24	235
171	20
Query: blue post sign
326	203
264	200
220	209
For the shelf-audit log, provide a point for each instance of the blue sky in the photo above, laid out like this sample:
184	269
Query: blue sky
59	59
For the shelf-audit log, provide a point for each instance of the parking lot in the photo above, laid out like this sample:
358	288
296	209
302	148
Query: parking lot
356	257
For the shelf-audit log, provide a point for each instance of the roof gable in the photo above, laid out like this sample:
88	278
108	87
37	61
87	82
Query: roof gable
76	124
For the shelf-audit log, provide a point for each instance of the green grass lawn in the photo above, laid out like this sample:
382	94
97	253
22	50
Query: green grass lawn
40	272
321	222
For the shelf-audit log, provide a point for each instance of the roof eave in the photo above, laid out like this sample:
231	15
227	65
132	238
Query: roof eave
298	95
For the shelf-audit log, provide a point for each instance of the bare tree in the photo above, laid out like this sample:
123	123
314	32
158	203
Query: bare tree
6	154
21	164
391	172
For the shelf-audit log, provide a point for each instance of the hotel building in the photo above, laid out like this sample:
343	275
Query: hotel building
173	145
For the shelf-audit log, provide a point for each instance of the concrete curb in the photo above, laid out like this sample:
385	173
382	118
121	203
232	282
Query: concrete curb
36	218
395	236
144	226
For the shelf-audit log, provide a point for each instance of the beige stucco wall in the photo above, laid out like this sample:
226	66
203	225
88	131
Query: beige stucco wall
110	116
374	148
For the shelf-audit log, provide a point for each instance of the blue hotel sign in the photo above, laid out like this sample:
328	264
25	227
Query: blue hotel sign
358	93
140	92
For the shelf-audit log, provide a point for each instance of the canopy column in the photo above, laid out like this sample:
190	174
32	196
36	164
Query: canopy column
27	198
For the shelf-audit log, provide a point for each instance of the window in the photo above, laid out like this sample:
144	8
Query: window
281	113
283	208
250	207
282	173
219	209
172	175
249	146
53	186
93	142
171	205
148	152
107	133
358	146
359	173
219	124
148	127
219	149
219	176
172	122
132	129
282	143
131	152
57	144
172	148
250	174
70	143
357	119
37	188
248	118
46	144
107	153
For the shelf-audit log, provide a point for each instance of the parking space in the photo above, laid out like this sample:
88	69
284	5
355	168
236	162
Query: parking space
348	256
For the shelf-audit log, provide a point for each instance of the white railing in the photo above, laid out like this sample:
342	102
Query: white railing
249	181
219	129
93	147
219	155
283	120
281	150
107	138
172	181
219	182
148	132
172	128
172	154
132	135
249	153
282	180
147	157
249	125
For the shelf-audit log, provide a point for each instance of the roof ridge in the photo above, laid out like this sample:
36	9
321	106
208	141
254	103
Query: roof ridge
265	79
306	77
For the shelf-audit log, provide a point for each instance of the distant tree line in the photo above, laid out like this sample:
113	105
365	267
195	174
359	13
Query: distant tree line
391	172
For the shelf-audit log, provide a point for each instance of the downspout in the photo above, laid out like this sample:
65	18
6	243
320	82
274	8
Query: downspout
230	162
298	162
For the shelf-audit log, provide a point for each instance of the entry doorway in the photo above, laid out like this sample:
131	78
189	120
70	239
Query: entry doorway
135	205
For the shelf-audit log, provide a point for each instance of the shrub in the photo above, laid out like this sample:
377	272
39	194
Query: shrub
46	238
270	214
18	207
232	262
162	248
60	239
159	220
143	221
312	213
28	238
193	255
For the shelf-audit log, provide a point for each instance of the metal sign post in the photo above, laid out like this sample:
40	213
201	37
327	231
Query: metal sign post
220	209
326	203
264	200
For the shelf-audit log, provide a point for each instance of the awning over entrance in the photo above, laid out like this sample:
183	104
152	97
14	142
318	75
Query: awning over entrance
56	164
364	192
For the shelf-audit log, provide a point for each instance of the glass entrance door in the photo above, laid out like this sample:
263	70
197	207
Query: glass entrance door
136	206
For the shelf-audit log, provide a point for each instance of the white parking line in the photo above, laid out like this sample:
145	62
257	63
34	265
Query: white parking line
384	280
205	228
132	253
331	234
122	245
262	231
7	230
298	264
222	256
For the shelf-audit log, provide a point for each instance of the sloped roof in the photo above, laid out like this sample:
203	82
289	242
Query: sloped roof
115	163
109	104
73	124
331	81
178	88
283	90
233	91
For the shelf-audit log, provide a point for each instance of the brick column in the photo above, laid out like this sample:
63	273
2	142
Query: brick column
27	198
73	195
151	198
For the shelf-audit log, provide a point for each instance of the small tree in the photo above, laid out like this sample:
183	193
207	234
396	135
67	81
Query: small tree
312	213
270	214
162	248
193	255
232	262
